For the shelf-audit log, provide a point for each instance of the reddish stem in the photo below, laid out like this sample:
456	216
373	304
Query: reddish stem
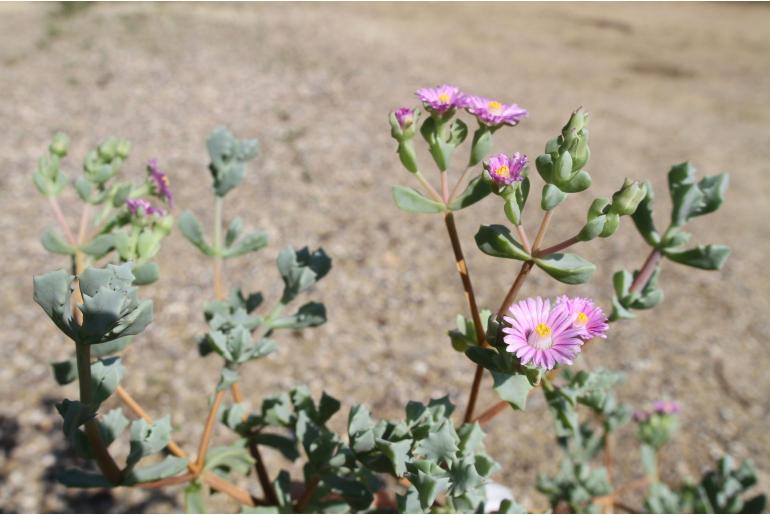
648	268
559	246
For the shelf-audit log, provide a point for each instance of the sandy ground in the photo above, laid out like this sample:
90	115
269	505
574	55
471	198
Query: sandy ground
664	83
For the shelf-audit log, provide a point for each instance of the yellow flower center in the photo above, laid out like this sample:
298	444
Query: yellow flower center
540	338
494	105
503	171
581	319
443	98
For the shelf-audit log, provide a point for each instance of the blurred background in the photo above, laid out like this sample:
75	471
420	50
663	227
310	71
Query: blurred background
314	83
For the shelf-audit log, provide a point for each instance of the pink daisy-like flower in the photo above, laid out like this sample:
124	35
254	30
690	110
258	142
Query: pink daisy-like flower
542	336
506	170
441	98
588	316
405	117
493	113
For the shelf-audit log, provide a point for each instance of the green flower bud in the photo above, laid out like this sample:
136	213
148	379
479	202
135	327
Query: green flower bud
108	150
407	155
592	228
627	199
598	207
122	148
576	123
60	144
610	226
403	123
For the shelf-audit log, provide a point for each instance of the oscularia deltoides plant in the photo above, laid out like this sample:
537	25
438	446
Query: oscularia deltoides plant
435	456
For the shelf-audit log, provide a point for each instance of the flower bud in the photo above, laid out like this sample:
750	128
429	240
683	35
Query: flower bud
60	144
122	148
576	123
403	123
627	199
610	226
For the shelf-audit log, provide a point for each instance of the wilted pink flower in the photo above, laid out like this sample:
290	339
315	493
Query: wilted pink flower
160	182
542	336
493	113
441	98
588	316
405	117
135	204
666	407
641	416
506	170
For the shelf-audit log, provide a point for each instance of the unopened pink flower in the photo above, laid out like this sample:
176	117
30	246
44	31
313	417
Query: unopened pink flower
136	204
506	170
540	335
405	117
441	98
493	113
589	317
159	181
666	407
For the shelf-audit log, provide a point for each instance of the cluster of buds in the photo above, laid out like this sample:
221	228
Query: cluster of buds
49	179
105	161
658	424
603	217
561	166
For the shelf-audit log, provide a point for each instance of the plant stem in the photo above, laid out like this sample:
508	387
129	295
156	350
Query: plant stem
218	288
454	192
491	412
646	271
517	283
559	246
139	412
160	483
103	458
208	429
523	237
470	296
541	231
259	463
307	494
211	479
444	187
61	220
427	186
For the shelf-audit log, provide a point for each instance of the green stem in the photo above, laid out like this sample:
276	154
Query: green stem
218	207
103	458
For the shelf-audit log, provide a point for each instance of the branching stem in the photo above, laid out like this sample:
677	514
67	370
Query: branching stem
208	429
61	220
559	246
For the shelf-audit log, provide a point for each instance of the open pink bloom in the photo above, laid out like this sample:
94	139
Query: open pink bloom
405	117
588	316
506	170
542	336
493	113
441	98
666	407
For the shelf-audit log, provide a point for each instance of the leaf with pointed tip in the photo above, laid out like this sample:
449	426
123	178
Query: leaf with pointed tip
706	257
65	371
497	241
54	242
566	267
397	454
148	439
311	314
250	243
52	292
170	466
476	190
192	230
100	246
440	444
513	389
413	201
105	378
146	273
